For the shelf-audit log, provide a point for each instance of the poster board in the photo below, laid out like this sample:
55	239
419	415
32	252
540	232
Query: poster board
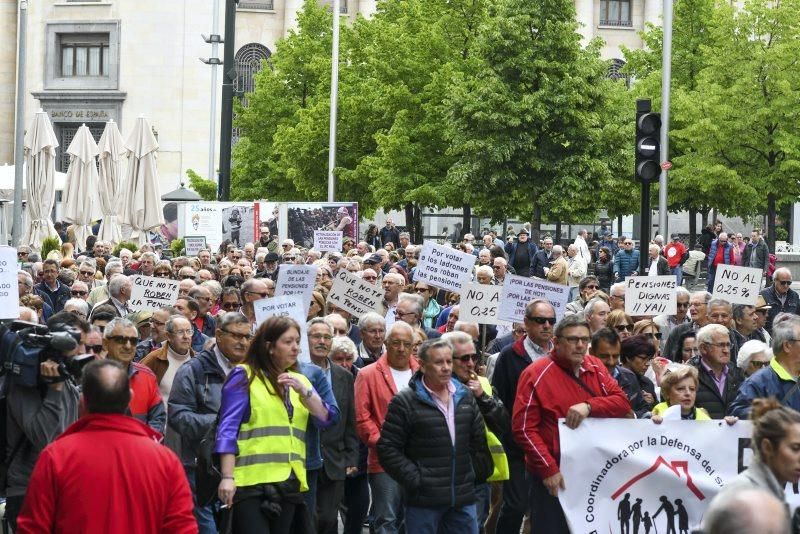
651	295
152	293
356	296
519	291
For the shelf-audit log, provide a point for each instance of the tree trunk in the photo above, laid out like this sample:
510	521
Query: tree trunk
557	237
418	231
692	228
409	209
466	221
771	221
536	224
704	212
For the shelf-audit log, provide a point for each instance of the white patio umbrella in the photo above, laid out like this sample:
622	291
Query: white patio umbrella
142	202
40	159
111	149
81	197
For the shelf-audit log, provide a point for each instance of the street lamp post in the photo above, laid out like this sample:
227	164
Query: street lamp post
666	80
19	134
334	102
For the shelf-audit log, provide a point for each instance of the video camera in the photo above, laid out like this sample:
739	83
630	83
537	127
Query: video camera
24	346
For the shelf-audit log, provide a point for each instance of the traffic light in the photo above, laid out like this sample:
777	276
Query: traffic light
648	149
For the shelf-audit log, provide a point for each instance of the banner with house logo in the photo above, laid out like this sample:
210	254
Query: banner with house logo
636	477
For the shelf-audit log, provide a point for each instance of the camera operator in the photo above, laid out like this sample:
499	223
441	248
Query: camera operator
37	415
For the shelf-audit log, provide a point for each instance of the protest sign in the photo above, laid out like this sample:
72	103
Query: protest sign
619	471
480	304
285	306
9	292
444	267
737	285
356	296
297	280
193	244
328	240
151	293
519	291
651	295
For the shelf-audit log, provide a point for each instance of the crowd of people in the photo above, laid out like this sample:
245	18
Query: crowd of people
413	421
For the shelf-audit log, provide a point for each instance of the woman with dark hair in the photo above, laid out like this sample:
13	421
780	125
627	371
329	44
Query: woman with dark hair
265	410
604	269
372	238
637	355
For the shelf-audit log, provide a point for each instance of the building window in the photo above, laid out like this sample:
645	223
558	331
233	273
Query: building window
66	132
249	61
84	55
343	7
615	13
267	5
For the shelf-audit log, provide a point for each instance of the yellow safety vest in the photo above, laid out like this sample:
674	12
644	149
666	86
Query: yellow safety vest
501	471
271	447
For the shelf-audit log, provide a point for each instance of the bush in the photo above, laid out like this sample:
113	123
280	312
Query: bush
177	247
49	244
133	247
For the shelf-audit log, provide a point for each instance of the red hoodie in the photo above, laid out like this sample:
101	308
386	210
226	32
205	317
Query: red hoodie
108	473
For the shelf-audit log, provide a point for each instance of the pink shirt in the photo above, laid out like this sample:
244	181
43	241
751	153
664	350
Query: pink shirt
719	381
448	409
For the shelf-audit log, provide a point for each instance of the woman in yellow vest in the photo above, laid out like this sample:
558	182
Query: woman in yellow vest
679	387
264	413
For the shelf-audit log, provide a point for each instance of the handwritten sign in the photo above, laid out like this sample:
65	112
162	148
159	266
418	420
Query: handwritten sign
480	304
651	295
519	291
285	306
444	267
297	280
356	296
194	244
9	292
737	285
151	293
328	240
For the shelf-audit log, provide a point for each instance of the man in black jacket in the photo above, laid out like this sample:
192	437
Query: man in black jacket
780	296
607	347
433	444
720	378
542	258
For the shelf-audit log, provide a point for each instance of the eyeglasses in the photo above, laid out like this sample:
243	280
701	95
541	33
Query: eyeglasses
656	335
184	332
289	258
165	274
722	345
575	340
624	328
541	320
22	253
230	306
759	365
519	331
683	305
97	349
592	287
238	337
86	273
421	289
262	295
326	337
403	314
156	322
187	276
369	278
78	293
784	282
124	340
467	357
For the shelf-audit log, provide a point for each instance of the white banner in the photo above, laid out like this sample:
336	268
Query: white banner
356	296
651	295
480	303
285	306
297	280
193	244
519	291
152	293
9	292
444	267
328	240
621	474
737	285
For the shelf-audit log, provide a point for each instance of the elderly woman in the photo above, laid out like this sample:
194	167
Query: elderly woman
621	322
343	352
679	387
484	275
587	289
753	356
637	355
430	307
649	328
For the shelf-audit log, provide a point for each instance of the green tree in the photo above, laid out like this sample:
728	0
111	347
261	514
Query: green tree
207	189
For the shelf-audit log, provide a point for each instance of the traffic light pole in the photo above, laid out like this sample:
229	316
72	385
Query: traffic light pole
226	121
666	79
645	227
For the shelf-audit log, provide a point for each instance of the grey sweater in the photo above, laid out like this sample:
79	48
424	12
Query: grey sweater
41	420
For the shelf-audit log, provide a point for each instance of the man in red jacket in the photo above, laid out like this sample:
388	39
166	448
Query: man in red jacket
568	384
107	472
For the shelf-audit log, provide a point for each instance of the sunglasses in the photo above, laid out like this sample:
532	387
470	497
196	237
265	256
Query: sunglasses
230	306
124	340
166	274
467	357
78	293
592	287
187	276
542	320
262	295
624	328
656	335
759	365
97	349
785	282
683	305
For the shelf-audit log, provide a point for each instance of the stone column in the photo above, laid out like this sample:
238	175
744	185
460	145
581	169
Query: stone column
584	10
652	12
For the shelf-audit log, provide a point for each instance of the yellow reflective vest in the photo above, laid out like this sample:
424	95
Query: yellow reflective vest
495	447
271	446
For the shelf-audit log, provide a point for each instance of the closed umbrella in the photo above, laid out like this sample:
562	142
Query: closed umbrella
111	149
81	198
142	204
40	158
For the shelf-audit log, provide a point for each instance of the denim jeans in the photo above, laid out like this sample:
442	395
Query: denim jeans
442	520
483	497
203	514
387	504
678	272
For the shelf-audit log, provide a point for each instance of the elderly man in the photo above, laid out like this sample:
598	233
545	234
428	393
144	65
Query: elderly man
373	331
667	322
676	254
158	332
79	290
559	268
166	360
542	258
616	297
86	271
698	318
375	386
540	318
147	263
626	261
119	342
205	321
582	246
251	291
657	264
499	270
57	292
577	268
453	448
596	313
78	307
521	254
746	324
189	308
410	309
390	234
392	285
780	296
756	253
119	291
721	253
719	377
567	383
100	292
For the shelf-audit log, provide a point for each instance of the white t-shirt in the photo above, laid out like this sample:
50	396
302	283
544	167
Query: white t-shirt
401	378
175	360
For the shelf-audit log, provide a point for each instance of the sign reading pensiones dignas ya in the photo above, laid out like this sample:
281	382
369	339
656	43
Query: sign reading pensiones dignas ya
625	476
651	295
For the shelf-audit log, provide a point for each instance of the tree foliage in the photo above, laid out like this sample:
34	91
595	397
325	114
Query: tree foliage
207	189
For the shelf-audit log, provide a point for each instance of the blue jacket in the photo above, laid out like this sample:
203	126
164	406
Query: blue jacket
323	388
511	250
611	245
625	263
771	381
727	256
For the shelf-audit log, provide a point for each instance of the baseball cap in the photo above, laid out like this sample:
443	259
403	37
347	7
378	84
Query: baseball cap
675	237
374	259
272	257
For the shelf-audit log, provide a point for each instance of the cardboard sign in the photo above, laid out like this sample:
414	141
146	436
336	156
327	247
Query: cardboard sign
356	296
444	267
519	291
151	293
9	292
297	280
480	304
328	240
651	295
194	244
737	285
285	306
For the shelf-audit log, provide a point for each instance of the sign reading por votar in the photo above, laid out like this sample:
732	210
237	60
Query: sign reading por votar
356	296
285	306
152	293
297	280
519	291
624	475
328	240
737	285
480	303
444	267
9	291
651	295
